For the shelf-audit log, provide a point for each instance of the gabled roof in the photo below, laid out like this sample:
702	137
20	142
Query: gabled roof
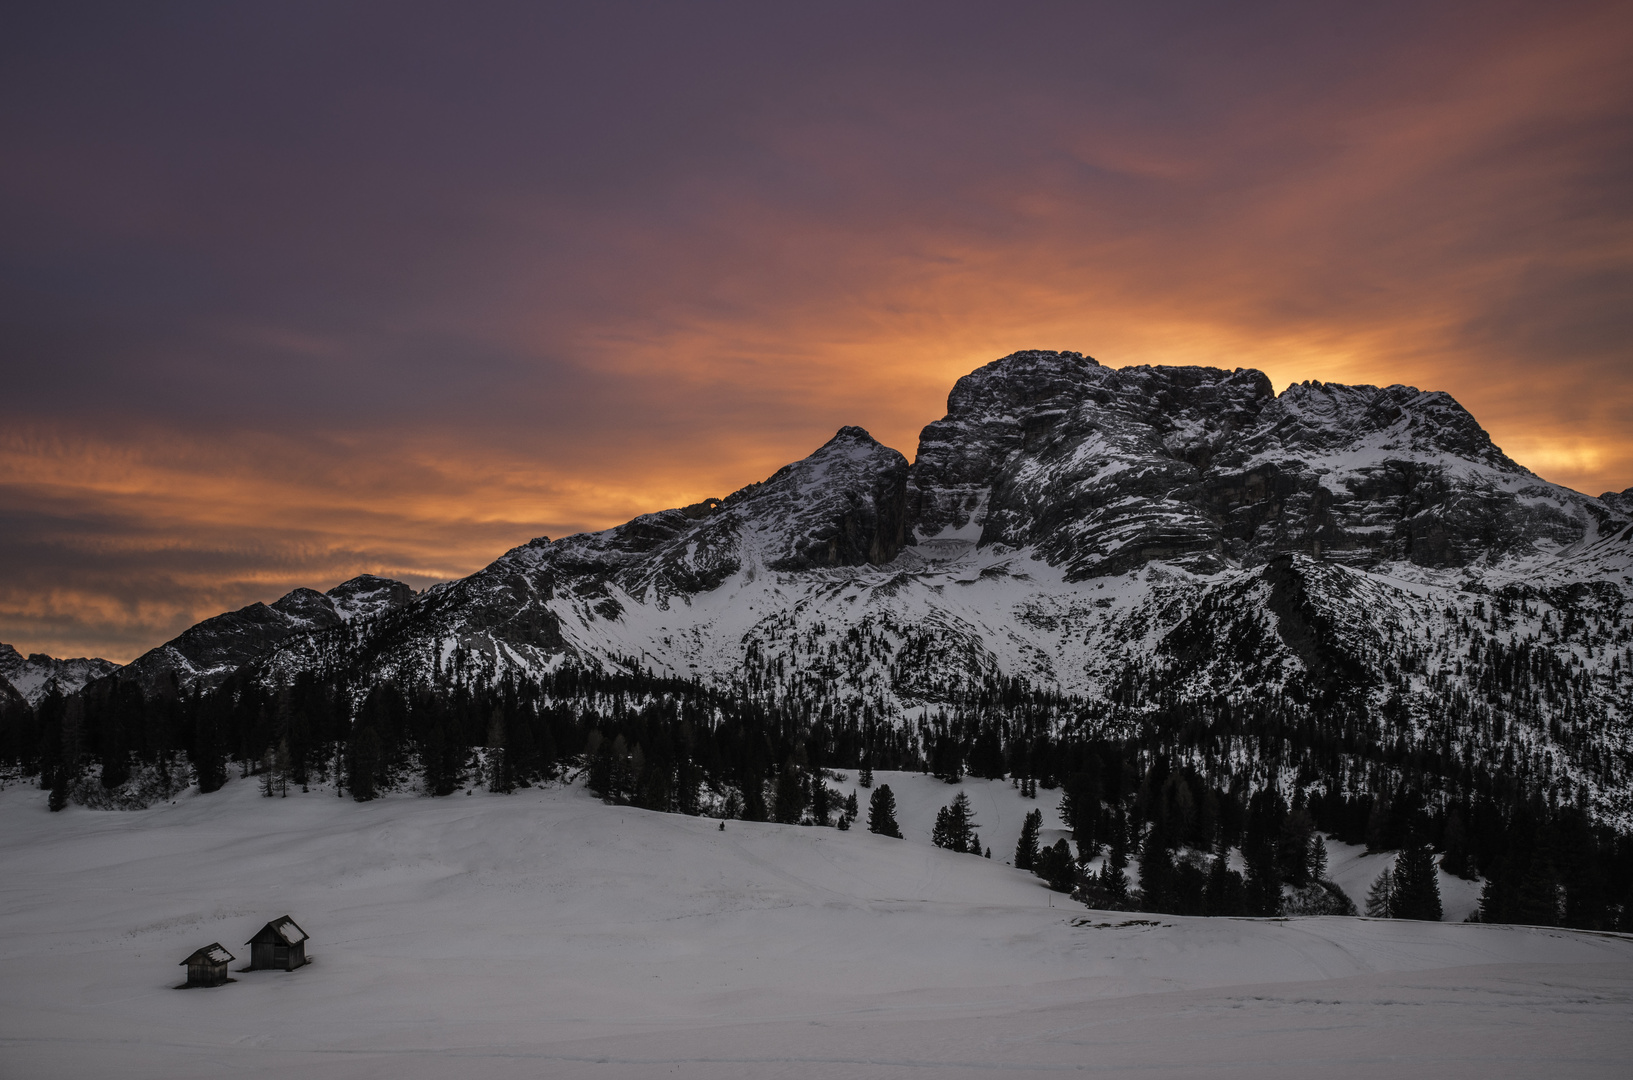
280	931
212	954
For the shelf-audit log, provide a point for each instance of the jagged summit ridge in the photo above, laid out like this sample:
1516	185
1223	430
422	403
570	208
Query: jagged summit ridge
31	678
208	652
1103	469
1048	466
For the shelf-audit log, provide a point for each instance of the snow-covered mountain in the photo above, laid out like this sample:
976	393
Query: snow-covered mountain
207	652
1155	542
33	677
1081	526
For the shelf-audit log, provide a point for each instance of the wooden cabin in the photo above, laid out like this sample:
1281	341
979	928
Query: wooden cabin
208	966
281	945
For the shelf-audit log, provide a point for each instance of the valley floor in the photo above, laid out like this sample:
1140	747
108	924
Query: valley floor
545	934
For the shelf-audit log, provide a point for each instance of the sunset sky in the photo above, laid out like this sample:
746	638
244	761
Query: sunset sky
291	292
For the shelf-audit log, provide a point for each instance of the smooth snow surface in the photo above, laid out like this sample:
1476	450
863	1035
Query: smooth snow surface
545	934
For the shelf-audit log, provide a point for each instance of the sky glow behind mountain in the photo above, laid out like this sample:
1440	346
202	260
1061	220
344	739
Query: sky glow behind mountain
293	292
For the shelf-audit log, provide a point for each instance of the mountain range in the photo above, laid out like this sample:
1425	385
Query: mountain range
1123	536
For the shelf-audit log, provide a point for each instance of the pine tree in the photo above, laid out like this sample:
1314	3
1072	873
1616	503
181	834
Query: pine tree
1318	858
1057	867
59	788
882	813
1156	874
363	754
791	798
1114	886
954	829
865	777
848	815
1381	897
1536	902
1416	892
281	766
1026	848
1226	893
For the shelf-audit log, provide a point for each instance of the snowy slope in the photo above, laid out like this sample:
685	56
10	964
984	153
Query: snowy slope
547	934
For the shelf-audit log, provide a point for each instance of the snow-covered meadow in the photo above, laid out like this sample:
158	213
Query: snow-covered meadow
545	934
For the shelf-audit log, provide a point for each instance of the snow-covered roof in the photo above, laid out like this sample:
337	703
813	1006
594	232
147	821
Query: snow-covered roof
283	929
212	953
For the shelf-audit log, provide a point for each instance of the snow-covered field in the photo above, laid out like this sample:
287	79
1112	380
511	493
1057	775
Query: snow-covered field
545	934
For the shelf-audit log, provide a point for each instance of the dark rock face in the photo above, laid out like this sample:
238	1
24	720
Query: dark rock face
366	596
845	505
1103	470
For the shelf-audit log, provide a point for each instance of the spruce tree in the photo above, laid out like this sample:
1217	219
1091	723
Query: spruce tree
1381	897
791	798
362	759
1536	902
954	829
1226	892
865	777
882	813
1416	891
59	788
847	816
1156	874
1057	867
1026	848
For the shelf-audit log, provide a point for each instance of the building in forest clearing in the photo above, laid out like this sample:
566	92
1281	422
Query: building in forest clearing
208	966
280	945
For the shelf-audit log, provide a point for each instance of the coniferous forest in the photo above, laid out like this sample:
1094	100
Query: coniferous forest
1170	786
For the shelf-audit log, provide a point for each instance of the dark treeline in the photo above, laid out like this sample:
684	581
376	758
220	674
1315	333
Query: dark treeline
1169	785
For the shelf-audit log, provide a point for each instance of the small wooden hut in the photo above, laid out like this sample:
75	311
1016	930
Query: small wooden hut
280	945
208	966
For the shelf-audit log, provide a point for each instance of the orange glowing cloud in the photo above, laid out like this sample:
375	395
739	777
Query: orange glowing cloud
397	329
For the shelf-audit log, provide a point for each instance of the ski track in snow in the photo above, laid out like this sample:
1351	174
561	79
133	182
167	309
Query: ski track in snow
545	934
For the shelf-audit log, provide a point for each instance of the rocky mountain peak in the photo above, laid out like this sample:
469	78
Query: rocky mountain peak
209	651
366	595
1620	501
33	677
1313	418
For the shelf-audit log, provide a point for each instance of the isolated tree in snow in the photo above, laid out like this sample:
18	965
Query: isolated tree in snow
954	829
1026	848
1381	897
865	777
1057	867
882	813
